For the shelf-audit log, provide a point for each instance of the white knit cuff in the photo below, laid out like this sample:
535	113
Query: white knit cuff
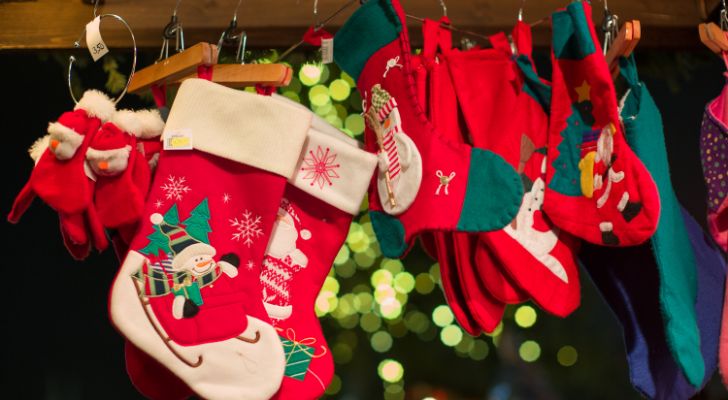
334	171
244	127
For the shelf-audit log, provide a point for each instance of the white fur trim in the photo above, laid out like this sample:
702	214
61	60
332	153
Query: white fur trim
128	121
353	168
319	123
230	369
152	124
38	148
240	126
96	104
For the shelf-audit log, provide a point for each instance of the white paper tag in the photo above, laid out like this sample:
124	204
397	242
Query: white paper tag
178	140
327	50
89	172
96	45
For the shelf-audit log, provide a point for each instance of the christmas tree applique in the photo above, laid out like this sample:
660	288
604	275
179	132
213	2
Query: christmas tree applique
158	241
576	136
198	223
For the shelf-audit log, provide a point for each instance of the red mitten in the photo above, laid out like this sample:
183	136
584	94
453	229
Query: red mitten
188	291
596	187
425	182
58	177
122	172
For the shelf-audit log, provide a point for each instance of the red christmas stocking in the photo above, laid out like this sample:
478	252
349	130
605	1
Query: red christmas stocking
58	177
425	182
596	188
313	221
537	258
188	291
456	250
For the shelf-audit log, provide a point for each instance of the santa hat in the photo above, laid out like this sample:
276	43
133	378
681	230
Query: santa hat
287	207
182	245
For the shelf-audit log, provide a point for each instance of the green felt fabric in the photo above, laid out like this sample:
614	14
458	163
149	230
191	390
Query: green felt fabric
567	44
390	234
351	49
532	84
483	206
671	243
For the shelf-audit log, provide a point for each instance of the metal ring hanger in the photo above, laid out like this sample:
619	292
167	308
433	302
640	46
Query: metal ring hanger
77	44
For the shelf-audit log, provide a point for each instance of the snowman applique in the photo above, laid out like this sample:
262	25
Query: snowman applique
282	261
192	266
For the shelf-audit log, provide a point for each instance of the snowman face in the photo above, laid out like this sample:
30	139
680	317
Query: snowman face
284	236
199	264
63	144
108	162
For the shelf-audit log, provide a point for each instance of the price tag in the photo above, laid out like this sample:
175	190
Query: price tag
178	140
327	50
96	45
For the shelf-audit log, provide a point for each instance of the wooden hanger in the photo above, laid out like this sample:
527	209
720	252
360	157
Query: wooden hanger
175	67
713	37
244	75
624	44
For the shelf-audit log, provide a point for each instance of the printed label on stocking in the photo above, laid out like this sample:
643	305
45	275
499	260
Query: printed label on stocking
178	140
95	43
327	50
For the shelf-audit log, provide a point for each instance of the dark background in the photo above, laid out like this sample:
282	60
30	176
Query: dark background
58	342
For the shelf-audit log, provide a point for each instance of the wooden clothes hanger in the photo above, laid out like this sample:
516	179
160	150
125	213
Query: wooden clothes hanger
186	63
624	44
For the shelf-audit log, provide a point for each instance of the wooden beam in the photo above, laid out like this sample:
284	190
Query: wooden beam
56	24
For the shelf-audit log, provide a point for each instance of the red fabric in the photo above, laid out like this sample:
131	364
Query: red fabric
455	251
151	378
327	227
580	214
264	90
205	72
160	95
313	36
249	190
438	154
60	183
515	262
119	199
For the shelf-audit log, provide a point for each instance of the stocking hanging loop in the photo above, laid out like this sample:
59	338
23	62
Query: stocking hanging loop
77	44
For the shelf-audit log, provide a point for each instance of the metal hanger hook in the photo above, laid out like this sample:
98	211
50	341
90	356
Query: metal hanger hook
176	6
520	10
235	14
77	44
444	8
96	8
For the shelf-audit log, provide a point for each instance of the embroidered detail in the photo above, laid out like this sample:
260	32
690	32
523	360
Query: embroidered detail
226	198
320	167
248	228
444	182
158	204
175	188
392	63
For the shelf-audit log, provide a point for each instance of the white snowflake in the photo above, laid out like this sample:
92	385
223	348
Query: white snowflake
320	167
175	188
247	228
226	198
250	265
158	204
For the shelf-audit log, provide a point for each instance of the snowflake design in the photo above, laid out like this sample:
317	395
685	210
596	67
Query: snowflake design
175	188
158	204
247	228
250	265
226	198
320	167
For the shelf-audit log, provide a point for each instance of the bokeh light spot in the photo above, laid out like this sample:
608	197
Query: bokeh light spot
529	351
381	341
451	335
442	316
310	74
390	371
525	316
354	123
339	89
567	356
424	283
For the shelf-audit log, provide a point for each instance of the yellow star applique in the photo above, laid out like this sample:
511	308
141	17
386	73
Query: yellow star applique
583	91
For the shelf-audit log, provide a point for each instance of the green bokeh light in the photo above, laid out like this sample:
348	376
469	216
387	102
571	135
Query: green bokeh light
567	356
404	282
370	322
451	335
442	316
339	89
529	351
390	370
319	96
525	316
424	283
355	123
479	351
381	341
309	74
